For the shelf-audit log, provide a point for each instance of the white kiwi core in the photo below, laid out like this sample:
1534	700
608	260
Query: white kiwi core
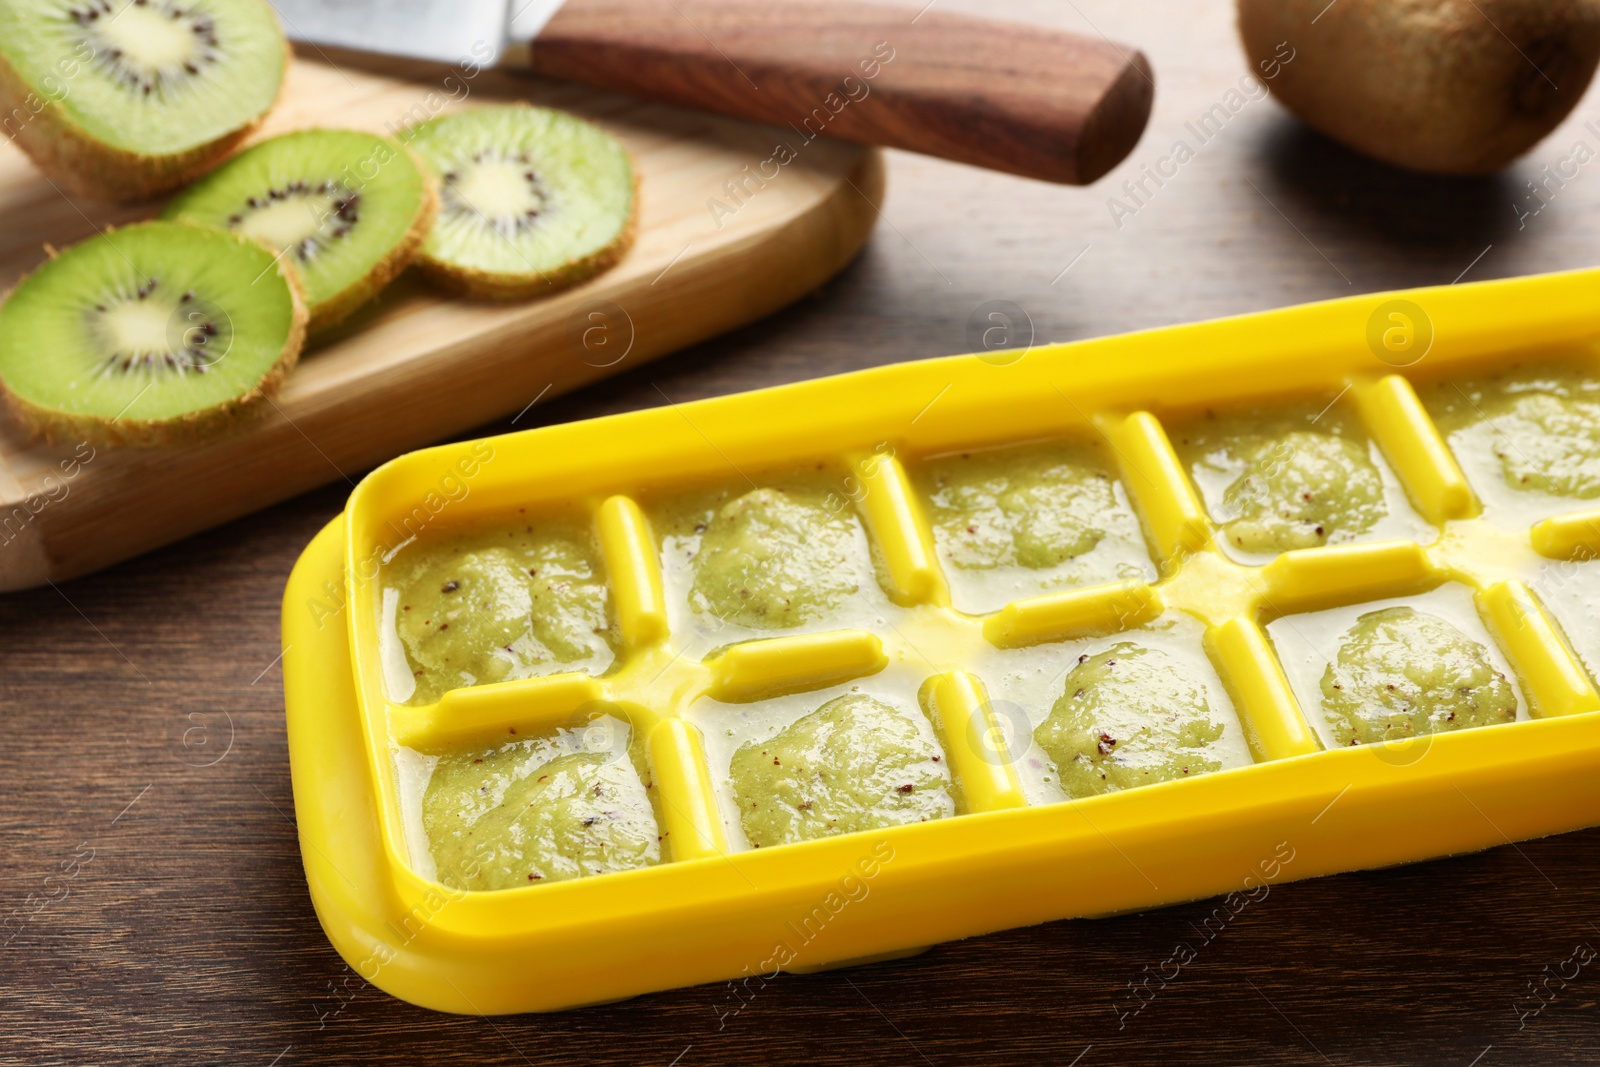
150	38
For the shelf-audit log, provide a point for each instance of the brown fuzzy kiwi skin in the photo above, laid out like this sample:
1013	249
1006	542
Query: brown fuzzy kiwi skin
1440	86
81	166
401	256
488	285
195	427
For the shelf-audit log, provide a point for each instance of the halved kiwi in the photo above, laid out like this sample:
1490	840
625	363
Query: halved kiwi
156	333
347	210
124	99
530	200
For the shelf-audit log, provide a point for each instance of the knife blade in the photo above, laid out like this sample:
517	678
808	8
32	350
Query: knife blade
1042	103
416	29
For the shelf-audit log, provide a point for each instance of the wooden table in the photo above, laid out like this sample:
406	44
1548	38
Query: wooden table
160	911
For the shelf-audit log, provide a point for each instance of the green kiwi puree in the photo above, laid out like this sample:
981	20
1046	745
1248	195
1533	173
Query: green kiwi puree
500	605
527	813
856	763
1038	508
1285	480
1130	716
1400	672
771	557
1544	427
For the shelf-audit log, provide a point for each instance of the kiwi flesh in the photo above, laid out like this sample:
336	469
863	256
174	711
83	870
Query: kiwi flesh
158	333
1442	86
347	210
125	99
530	200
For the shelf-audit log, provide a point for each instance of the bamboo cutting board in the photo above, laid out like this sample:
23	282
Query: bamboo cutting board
418	366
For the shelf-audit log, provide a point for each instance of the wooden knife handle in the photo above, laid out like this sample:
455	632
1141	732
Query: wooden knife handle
1040	103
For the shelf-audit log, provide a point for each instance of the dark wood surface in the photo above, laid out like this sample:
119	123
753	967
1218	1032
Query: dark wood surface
1025	99
143	715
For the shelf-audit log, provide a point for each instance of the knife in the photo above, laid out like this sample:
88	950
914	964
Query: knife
1041	103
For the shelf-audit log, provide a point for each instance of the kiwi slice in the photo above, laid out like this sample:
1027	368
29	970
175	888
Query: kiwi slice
124	99
530	200
156	333
347	210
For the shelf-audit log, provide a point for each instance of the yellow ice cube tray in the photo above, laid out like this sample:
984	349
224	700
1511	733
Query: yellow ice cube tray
712	911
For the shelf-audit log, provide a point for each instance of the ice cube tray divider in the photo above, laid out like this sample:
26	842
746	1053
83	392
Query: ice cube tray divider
1310	351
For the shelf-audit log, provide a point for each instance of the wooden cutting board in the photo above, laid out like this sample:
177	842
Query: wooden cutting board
418	366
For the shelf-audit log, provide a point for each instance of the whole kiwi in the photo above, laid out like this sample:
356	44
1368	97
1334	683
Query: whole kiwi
1444	86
